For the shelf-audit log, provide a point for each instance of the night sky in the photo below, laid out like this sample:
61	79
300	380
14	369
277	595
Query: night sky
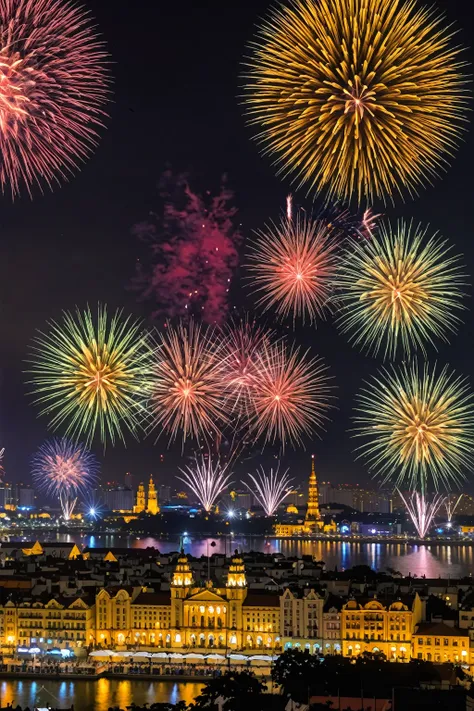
176	84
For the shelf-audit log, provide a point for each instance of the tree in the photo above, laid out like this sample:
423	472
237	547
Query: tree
296	672
238	691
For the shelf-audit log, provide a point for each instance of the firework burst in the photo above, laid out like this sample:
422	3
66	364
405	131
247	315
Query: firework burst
242	341
207	480
451	503
90	373
421	510
357	98
399	290
53	84
270	490
417	426
64	469
186	385
291	395
293	266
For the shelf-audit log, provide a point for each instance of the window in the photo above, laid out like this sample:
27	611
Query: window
446	641
420	641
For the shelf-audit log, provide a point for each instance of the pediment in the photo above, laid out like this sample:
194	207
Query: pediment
206	596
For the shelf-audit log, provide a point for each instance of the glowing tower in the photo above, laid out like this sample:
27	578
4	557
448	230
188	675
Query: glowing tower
140	504
153	506
313	515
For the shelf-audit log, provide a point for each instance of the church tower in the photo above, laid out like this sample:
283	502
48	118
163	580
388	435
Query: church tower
313	515
236	577
181	584
153	506
140	504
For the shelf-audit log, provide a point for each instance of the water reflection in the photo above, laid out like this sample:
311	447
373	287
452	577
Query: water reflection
94	695
432	560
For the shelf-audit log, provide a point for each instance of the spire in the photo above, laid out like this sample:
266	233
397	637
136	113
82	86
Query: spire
153	506
313	513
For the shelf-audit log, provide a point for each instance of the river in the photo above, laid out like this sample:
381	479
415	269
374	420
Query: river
97	695
432	560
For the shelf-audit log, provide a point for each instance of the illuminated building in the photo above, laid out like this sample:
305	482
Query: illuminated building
332	625
189	615
65	623
438	642
152	504
301	620
140	502
373	625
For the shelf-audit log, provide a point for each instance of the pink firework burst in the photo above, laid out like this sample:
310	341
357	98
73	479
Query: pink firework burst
291	395
242	341
187	395
53	84
293	266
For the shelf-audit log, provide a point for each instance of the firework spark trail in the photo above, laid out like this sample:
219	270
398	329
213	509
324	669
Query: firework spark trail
293	267
291	396
359	99
186	385
270	490
289	208
418	426
421	510
242	341
64	469
399	291
91	374
54	82
207	480
451	506
192	253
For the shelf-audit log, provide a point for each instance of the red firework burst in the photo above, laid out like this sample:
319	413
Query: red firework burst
241	344
187	394
53	83
291	395
293	266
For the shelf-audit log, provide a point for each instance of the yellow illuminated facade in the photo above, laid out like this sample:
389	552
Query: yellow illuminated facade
190	615
374	626
439	643
64	623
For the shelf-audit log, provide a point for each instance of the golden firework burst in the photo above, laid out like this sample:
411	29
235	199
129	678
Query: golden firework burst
399	290
418	425
356	98
90	373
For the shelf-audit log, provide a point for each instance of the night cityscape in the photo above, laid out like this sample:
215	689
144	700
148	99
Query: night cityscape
237	422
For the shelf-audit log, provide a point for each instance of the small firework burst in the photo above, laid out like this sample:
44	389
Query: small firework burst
359	99
418	426
54	83
64	469
207	479
293	266
399	290
186	386
422	510
270	490
291	396
90	373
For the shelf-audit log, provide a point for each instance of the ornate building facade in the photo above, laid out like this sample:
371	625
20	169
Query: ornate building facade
385	626
189	615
